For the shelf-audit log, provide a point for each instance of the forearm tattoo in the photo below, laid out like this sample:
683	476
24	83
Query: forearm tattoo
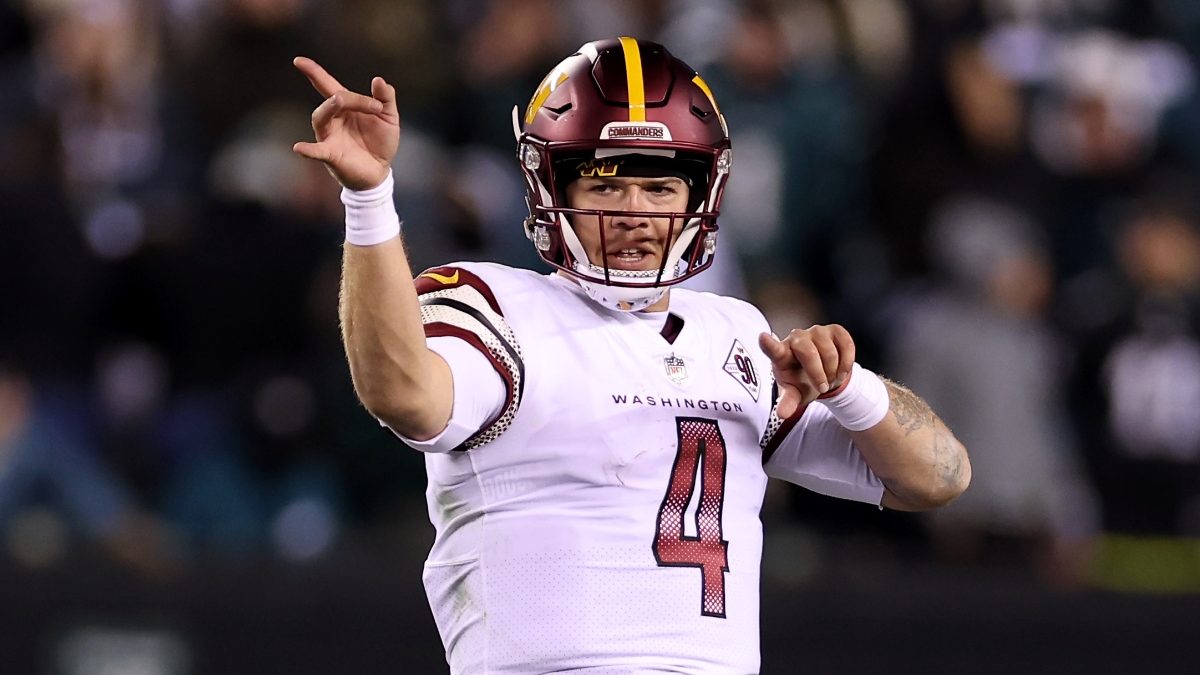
913	414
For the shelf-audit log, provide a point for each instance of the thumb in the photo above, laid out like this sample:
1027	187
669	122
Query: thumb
311	150
771	346
789	401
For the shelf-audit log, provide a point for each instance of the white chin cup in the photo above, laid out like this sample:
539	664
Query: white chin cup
623	298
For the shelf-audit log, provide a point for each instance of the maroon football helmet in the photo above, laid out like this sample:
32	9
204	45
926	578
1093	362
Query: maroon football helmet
623	102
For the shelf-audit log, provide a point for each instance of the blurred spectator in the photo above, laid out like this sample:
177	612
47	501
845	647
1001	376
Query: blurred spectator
978	344
503	55
241	65
501	58
696	30
97	66
404	40
236	476
54	486
1137	384
800	156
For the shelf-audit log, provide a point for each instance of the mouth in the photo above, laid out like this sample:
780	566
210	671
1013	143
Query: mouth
633	258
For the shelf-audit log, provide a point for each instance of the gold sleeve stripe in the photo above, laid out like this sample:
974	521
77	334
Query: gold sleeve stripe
542	94
441	278
633	79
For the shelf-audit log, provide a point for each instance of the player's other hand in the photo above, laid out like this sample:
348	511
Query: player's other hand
808	363
357	135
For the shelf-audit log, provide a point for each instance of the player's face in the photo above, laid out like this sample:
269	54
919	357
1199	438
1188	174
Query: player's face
629	242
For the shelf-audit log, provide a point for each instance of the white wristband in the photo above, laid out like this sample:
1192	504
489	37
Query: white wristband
862	403
371	216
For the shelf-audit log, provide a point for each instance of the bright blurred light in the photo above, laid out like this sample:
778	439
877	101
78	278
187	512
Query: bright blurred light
110	651
115	229
304	529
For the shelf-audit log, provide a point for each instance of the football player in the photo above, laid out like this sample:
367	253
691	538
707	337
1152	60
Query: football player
597	441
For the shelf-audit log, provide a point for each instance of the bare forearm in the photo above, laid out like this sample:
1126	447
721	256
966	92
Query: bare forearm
914	453
395	375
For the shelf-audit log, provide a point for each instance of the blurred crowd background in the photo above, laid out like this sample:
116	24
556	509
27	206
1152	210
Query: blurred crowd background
997	197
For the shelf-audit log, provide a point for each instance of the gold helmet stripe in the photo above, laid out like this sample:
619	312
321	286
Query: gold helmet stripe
548	86
699	82
633	79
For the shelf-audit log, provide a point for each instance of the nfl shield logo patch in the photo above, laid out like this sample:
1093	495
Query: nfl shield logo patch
676	370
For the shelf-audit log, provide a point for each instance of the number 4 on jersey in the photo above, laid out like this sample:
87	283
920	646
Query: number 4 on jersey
701	455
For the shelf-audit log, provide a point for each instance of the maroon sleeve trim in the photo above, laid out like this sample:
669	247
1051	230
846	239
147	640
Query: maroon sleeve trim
446	330
781	433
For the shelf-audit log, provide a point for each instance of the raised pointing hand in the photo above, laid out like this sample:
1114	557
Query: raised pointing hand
808	363
356	135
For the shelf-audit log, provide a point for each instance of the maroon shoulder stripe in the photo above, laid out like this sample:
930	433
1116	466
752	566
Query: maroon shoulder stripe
442	278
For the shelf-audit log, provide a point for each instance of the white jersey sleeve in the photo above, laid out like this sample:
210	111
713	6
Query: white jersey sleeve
465	325
814	451
479	395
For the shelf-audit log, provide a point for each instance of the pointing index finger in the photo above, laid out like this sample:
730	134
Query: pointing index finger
325	84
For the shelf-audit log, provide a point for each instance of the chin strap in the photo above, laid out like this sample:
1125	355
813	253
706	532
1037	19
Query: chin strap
620	298
623	298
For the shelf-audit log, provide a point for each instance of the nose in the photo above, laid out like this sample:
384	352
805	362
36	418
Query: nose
635	200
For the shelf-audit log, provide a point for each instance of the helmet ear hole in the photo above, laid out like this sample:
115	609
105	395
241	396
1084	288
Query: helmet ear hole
555	113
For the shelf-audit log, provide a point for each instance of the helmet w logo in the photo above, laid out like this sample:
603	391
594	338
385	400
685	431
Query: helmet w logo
597	167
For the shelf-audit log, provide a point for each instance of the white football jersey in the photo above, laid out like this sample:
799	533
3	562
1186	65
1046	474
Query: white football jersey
606	520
